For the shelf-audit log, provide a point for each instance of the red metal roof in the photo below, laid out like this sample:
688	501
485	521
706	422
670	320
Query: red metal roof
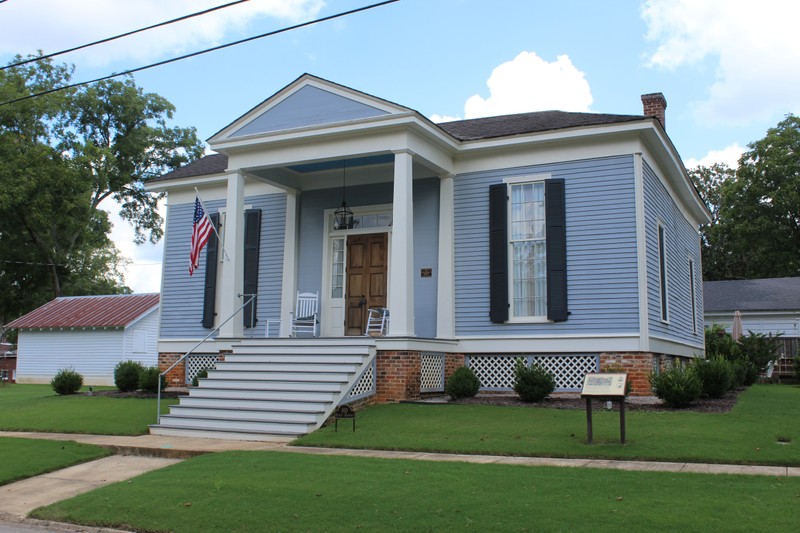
88	311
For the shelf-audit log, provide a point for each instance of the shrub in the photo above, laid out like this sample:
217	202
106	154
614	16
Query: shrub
203	374
66	381
677	387
534	383
739	373
758	348
796	366
751	374
463	383
720	342
715	375
126	375
148	379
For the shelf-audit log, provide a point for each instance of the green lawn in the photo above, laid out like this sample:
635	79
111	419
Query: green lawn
763	428
38	408
23	458
273	491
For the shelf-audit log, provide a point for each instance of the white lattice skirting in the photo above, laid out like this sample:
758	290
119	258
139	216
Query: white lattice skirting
496	372
365	385
431	372
196	363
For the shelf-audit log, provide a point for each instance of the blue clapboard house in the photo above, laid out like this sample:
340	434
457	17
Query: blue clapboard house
567	240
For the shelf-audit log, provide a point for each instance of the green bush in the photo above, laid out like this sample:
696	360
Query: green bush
534	383
716	374
739	373
463	383
720	342
66	381
677	387
758	348
148	379
126	375
202	374
796	366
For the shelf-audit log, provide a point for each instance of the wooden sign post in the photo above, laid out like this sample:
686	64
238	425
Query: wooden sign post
604	387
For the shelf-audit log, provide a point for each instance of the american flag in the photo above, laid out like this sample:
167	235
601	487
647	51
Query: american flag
201	231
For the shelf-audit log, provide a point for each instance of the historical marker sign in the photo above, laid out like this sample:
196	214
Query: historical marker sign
606	384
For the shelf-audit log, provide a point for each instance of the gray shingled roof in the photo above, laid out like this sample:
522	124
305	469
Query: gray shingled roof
538	121
771	294
462	130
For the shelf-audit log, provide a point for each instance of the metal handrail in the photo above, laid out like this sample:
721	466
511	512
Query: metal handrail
184	356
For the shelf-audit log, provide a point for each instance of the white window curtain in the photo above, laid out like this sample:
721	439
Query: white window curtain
528	252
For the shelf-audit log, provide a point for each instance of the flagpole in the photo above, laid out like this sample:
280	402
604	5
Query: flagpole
205	213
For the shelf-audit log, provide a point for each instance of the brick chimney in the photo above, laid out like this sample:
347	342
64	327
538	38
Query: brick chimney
654	105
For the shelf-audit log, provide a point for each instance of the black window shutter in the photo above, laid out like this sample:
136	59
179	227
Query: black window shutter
556	229
498	253
252	239
210	287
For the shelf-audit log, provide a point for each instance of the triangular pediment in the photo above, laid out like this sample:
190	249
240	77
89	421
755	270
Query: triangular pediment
307	102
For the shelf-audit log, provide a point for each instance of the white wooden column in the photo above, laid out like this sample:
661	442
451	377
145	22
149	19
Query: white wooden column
289	264
445	292
401	255
232	272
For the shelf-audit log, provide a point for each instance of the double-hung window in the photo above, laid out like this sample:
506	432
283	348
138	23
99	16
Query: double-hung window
527	250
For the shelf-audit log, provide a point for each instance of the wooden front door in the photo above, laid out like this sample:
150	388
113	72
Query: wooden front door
366	279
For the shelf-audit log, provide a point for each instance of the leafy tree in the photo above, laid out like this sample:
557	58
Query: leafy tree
756	227
61	155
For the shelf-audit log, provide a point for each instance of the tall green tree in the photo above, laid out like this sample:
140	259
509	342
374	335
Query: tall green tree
61	156
756	228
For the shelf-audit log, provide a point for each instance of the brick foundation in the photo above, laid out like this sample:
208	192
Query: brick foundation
9	364
398	376
177	376
638	366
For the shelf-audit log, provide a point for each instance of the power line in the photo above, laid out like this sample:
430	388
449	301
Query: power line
108	39
201	52
28	262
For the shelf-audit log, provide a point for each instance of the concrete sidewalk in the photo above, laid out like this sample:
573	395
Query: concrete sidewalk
137	455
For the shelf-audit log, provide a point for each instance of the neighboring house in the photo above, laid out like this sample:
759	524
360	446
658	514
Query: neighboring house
568	239
90	334
8	362
769	306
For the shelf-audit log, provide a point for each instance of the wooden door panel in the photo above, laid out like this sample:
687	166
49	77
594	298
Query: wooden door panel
366	279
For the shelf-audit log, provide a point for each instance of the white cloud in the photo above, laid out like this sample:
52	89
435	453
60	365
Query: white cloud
529	83
729	156
143	274
752	49
24	27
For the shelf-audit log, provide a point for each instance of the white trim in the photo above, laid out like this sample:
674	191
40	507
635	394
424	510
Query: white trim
673	347
555	344
290	249
445	288
692	271
329	234
641	252
510	182
401	254
663	271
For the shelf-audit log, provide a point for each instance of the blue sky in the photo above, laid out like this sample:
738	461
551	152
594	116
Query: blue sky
728	68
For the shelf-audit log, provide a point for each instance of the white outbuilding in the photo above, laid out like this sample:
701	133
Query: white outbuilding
90	334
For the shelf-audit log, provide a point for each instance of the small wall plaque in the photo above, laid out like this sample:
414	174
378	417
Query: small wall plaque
426	272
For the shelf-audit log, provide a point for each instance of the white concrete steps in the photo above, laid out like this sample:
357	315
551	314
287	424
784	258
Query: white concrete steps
269	389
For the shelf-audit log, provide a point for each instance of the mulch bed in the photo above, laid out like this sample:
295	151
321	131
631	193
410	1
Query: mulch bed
705	405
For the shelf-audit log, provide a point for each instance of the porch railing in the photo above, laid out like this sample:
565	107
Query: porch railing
196	346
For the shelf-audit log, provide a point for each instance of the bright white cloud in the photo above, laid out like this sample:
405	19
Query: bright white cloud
24	27
529	83
143	274
752	49
729	156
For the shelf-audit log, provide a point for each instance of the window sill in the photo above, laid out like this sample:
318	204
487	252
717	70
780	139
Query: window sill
529	320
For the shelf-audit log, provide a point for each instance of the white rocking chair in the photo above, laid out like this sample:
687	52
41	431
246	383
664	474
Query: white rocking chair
305	317
377	322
